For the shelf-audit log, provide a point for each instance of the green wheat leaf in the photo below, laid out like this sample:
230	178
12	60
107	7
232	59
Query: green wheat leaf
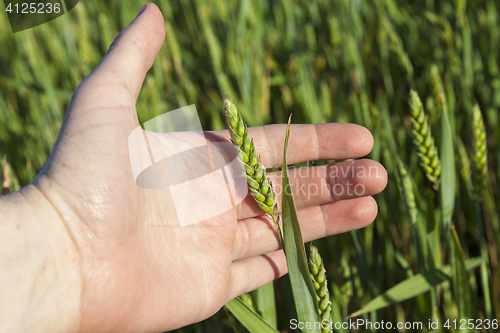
304	294
252	321
460	280
413	286
447	167
266	305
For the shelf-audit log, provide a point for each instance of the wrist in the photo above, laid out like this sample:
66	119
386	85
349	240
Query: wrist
40	278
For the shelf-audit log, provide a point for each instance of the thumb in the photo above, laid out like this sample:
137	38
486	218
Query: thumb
131	54
113	86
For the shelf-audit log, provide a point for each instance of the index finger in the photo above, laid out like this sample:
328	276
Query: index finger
333	141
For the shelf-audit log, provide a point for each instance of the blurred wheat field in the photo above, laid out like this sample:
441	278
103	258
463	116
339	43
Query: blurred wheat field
324	61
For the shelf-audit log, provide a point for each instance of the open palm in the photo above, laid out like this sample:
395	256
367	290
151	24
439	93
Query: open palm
140	271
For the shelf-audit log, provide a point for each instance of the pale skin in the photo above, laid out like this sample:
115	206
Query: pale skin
79	250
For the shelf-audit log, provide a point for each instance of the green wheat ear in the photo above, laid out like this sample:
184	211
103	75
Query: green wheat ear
255	172
437	88
479	153
247	299
423	140
318	275
464	164
407	190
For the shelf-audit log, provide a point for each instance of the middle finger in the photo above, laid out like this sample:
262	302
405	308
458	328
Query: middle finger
319	185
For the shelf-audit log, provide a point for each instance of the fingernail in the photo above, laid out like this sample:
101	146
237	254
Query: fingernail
143	8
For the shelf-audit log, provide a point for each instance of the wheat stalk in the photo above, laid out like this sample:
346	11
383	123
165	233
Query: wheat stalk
479	153
255	172
423	140
318	275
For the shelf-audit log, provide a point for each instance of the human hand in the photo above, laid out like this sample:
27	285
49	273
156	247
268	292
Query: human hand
139	277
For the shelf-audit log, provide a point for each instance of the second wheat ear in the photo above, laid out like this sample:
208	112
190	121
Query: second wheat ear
255	172
479	153
318	276
424	141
